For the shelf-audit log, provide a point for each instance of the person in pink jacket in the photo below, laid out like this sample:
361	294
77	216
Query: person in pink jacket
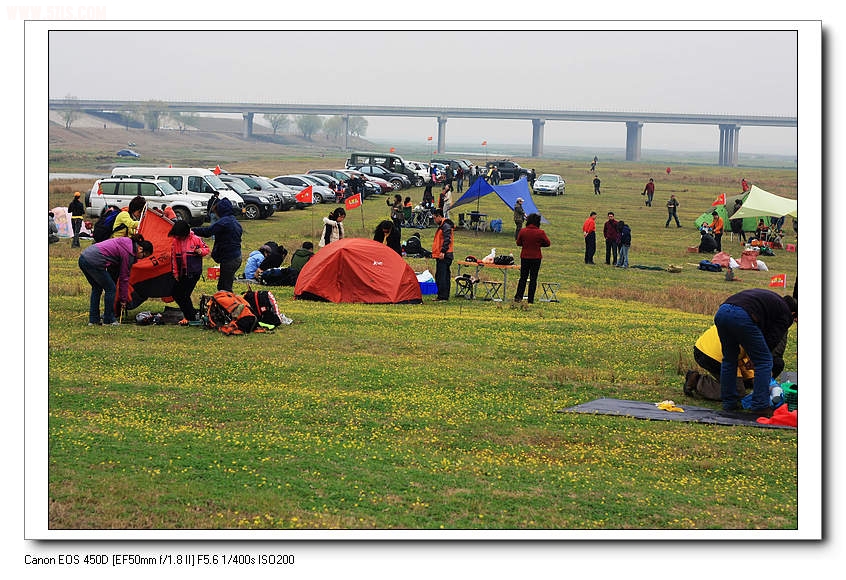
186	259
99	261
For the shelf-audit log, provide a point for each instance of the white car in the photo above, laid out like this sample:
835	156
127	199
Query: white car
549	184
421	171
119	191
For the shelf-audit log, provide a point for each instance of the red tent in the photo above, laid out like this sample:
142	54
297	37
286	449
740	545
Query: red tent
358	270
152	277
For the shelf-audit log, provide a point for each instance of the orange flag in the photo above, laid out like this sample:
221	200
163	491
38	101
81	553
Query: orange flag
778	281
217	170
353	201
721	200
484	143
428	138
305	195
393	150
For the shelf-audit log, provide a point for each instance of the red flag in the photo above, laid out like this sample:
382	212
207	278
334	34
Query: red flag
353	201
778	281
305	195
428	138
217	170
484	143
393	150
99	189
721	200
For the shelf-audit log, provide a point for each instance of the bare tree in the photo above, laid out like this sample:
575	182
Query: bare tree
72	114
358	126
334	126
154	112
309	124
128	115
277	121
182	120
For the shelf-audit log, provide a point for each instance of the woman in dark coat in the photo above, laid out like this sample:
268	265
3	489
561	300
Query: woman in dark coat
387	233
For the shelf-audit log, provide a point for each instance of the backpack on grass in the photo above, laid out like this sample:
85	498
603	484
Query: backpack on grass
263	304
280	277
701	386
229	313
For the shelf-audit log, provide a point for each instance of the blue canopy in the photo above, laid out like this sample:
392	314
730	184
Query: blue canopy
507	193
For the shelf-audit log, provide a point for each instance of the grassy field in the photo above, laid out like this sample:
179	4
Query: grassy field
423	417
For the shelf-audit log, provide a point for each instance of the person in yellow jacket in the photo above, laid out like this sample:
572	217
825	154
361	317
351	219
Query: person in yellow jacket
128	220
708	353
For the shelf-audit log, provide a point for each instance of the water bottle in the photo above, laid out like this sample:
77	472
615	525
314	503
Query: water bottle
776	396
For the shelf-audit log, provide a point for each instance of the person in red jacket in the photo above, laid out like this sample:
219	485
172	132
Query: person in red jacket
717	227
589	232
531	239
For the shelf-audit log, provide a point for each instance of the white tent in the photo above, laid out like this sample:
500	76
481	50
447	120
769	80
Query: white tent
760	203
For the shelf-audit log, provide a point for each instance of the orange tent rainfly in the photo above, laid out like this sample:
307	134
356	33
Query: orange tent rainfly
152	277
358	270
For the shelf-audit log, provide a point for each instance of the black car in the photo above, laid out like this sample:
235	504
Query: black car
370	188
508	170
285	199
455	164
257	205
397	180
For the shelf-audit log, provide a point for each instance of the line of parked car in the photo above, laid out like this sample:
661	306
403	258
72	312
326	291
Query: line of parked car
187	190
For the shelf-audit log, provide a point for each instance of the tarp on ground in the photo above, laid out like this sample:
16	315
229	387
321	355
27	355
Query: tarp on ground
507	193
646	410
763	203
358	270
152	277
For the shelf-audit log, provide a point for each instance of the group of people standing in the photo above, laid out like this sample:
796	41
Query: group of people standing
618	240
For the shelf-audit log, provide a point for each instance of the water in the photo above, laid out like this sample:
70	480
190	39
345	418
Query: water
52	176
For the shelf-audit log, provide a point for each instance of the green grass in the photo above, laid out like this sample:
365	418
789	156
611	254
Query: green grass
425	416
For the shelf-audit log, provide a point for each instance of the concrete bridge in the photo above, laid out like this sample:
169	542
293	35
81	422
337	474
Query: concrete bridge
729	125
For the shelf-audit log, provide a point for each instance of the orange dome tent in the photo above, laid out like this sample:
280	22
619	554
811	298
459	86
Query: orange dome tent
358	270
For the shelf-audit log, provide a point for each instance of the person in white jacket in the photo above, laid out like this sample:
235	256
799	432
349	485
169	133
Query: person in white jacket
333	227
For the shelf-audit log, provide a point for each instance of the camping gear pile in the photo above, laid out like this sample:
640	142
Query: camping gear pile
233	314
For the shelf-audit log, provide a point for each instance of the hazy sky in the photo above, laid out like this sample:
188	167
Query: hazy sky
673	71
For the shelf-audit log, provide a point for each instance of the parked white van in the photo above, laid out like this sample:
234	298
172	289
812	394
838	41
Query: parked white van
119	191
187	180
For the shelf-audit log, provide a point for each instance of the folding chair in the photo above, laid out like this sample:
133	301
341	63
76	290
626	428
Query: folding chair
465	286
493	290
550	290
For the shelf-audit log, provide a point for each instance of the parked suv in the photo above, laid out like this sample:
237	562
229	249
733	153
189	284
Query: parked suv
257	204
284	195
508	169
455	164
119	191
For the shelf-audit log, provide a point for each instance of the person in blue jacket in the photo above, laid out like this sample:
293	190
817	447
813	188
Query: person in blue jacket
227	243
756	319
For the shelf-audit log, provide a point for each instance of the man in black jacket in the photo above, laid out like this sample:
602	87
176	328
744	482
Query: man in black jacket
756	319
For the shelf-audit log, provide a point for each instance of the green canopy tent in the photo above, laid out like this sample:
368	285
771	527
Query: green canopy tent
757	204
763	203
